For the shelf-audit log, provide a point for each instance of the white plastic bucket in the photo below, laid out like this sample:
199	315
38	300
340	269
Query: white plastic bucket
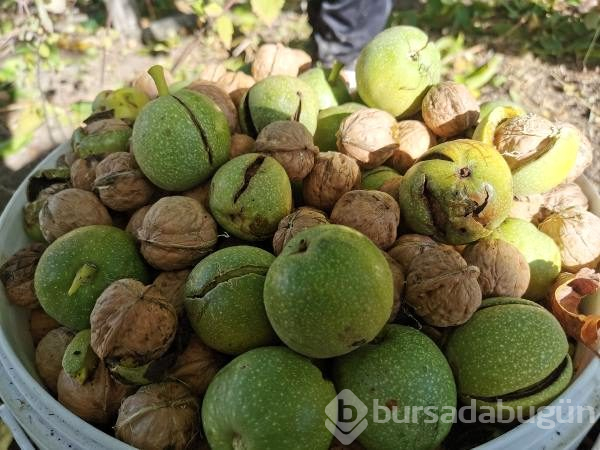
51	426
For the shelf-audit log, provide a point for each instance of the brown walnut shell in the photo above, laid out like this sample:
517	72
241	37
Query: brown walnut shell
240	145
40	324
120	183
83	173
176	233
368	135
96	401
292	224
291	144
234	81
212	71
70	209
374	213
171	286
408	247
413	139
17	276
136	220
332	176
196	366
563	197
399	280
503	270
159	416
576	232
526	207
449	108
277	59
49	355
442	288
132	324
213	91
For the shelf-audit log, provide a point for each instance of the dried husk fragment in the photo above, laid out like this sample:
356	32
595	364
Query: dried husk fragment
442	288
299	220
576	232
49	354
120	183
374	213
277	59
503	270
332	176
291	144
159	416
132	324
413	139
449	108
176	233
17	275
368	136
213	91
568	297
70	209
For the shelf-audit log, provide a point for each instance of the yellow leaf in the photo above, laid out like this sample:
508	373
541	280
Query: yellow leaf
213	10
224	29
267	10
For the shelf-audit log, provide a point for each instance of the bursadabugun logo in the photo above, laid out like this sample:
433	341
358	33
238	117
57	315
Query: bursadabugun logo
346	417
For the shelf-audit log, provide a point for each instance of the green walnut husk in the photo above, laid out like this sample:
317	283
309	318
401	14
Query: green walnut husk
278	97
512	350
487	107
179	140
401	368
77	267
330	88
315	291
152	372
328	123
540	251
125	103
273	398
224	299
382	178
395	70
249	195
101	137
492	118
458	192
79	360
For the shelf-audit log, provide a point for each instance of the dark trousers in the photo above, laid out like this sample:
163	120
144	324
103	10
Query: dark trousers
341	28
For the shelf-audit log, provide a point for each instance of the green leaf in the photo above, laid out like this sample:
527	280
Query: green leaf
213	10
267	10
44	50
224	29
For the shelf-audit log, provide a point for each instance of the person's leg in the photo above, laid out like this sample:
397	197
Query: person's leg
341	28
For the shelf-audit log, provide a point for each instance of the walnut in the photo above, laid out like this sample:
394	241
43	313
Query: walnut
120	183
40	324
277	59
96	401
136	220
575	231
213	71
562	197
171	286
526	207
503	270
83	173
176	233
521	138
449	108
408	247
231	82
237	97
368	135
398	279
199	193
373	213
333	175
159	416
196	366
49	355
292	224
17	276
585	154
413	139
132	324
442	288
221	98
240	145
144	82
291	144
70	209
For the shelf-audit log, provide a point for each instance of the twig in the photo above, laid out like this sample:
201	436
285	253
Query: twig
591	47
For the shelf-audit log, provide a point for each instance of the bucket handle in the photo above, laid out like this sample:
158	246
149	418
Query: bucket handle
17	432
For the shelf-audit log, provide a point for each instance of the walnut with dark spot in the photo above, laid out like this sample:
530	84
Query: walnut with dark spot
301	219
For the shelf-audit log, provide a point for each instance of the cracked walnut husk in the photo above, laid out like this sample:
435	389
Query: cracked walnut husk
132	324
374	213
17	275
176	233
291	144
292	224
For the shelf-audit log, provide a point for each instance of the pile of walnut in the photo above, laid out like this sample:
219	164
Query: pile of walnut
435	284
